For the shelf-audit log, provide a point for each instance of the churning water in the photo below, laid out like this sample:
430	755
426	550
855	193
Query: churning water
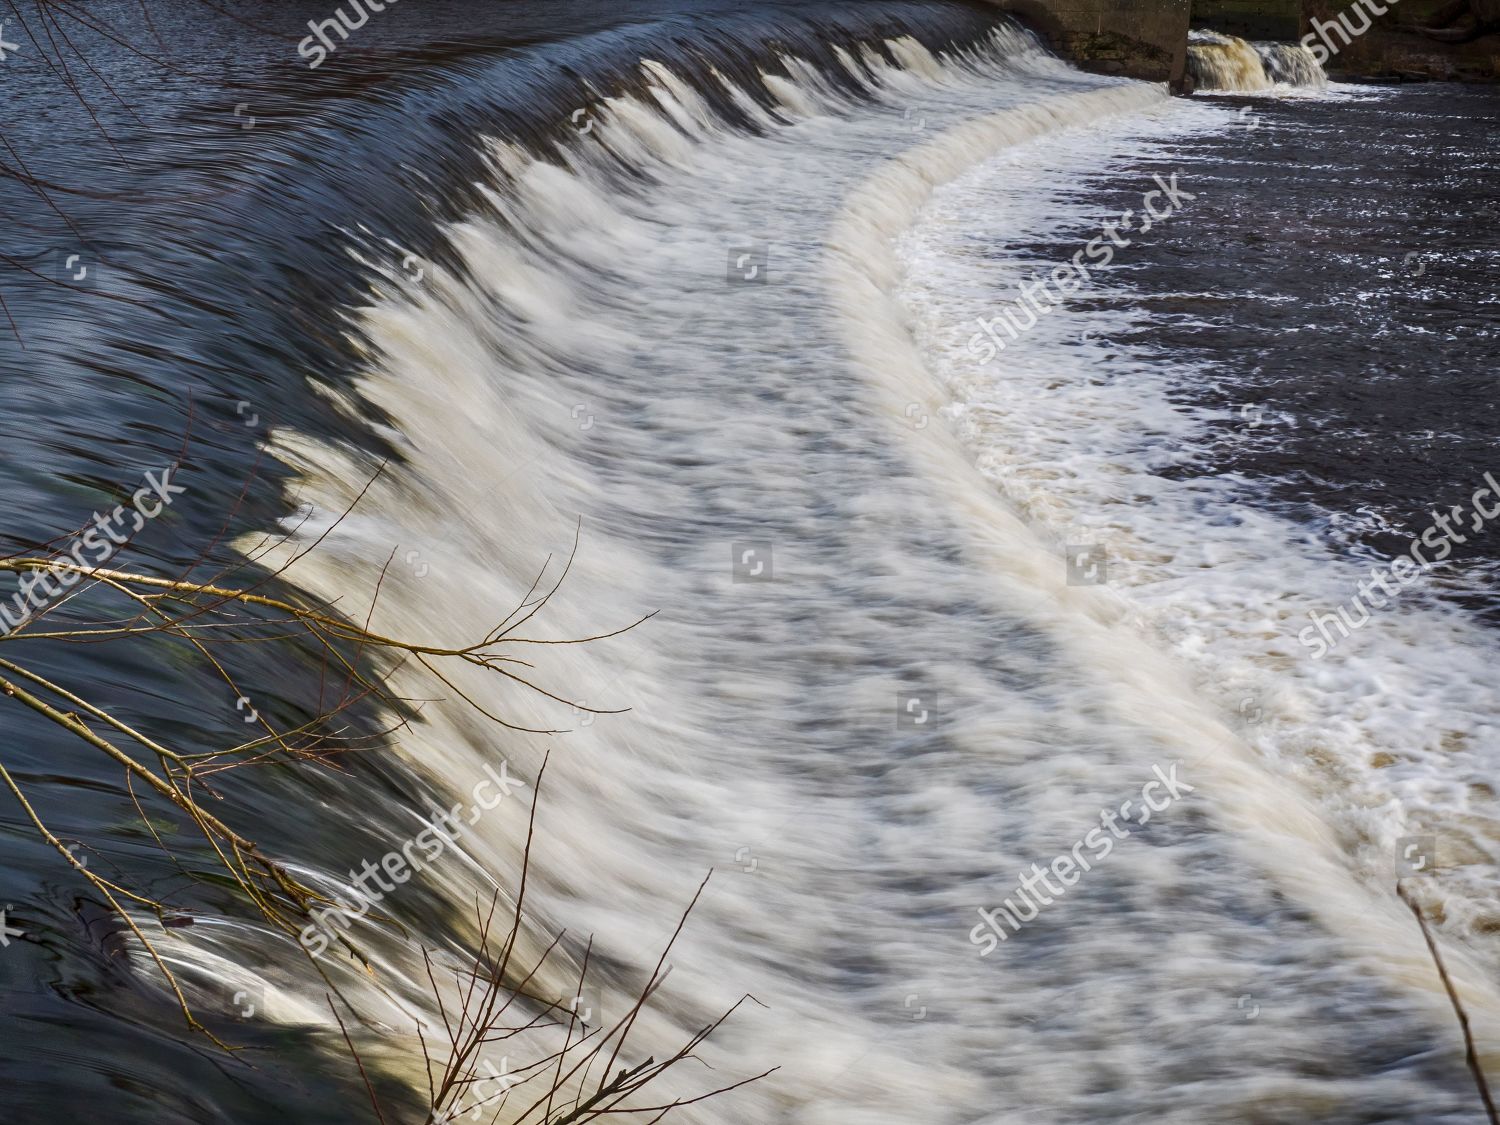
1227	62
713	306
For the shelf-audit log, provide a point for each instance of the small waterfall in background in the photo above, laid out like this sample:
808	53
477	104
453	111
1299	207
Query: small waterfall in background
1227	62
1291	64
1224	62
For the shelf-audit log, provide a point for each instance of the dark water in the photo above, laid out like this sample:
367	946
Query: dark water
1339	284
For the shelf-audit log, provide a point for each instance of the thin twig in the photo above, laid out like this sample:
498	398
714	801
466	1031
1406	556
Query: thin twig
1471	1055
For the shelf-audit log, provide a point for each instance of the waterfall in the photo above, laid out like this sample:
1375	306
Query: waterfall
1228	63
1291	64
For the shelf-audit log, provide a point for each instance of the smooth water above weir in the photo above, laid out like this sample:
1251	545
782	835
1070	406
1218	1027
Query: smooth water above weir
891	447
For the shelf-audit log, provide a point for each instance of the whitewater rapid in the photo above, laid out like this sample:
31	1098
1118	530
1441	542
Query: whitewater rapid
694	341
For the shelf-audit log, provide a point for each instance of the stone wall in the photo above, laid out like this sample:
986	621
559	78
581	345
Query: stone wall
1251	19
1392	48
1135	38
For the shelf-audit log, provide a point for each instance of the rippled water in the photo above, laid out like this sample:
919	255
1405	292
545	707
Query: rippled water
702	294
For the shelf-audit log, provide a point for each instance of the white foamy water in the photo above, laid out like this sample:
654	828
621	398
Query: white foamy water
1390	734
608	358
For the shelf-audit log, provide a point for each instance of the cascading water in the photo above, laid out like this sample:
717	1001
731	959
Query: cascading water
1291	64
759	739
1226	62
645	426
